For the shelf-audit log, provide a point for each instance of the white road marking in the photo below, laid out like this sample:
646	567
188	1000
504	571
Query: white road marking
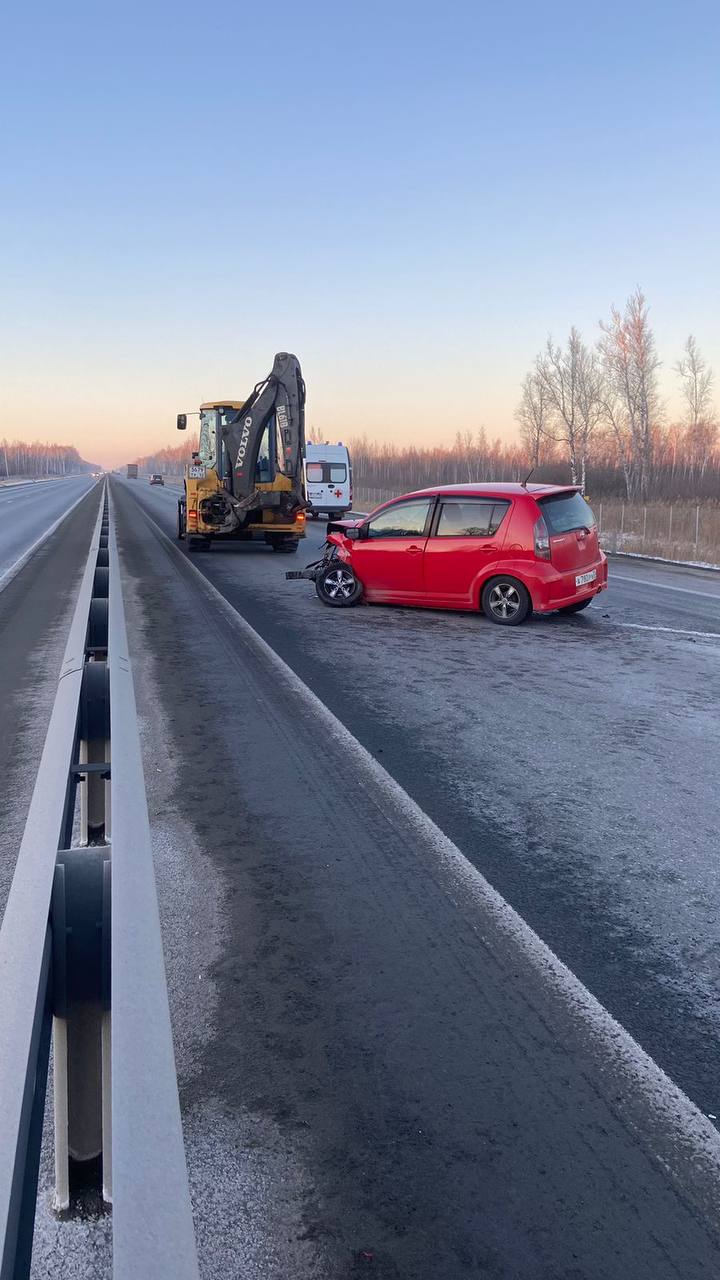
673	631
643	1080
644	626
664	586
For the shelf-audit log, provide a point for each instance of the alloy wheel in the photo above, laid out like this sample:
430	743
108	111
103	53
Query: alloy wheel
504	600
338	583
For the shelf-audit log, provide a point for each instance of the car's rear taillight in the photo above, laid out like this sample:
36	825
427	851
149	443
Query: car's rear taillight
541	538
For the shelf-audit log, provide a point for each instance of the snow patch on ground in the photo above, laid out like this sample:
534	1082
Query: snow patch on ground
682	564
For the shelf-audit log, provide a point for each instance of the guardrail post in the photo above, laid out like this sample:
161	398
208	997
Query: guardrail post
80	929
80	943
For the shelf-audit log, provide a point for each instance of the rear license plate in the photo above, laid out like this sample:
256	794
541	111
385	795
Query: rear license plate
582	578
196	473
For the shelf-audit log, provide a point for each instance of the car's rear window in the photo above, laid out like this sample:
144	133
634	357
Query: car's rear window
326	472
566	511
470	518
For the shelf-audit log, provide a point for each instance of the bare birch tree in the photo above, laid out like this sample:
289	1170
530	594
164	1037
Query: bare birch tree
701	431
572	384
532	416
630	362
696	381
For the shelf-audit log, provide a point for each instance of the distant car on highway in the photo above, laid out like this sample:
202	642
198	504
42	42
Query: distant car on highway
505	549
156	478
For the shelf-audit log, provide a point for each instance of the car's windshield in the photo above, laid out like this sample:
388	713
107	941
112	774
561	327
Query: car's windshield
566	511
403	520
207	447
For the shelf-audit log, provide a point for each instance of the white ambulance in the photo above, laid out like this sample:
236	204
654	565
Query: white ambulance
328	480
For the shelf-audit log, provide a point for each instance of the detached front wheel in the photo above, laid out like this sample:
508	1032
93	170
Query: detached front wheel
337	586
506	601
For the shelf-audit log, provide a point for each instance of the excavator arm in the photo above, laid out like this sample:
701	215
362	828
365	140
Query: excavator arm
277	403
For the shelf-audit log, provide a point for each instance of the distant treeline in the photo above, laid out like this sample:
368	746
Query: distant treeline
22	458
680	467
588	414
600	406
675	471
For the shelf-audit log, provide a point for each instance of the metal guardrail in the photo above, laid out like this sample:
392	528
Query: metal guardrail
81	953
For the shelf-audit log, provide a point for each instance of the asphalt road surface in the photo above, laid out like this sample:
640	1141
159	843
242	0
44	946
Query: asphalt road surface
382	1071
574	761
27	511
376	1075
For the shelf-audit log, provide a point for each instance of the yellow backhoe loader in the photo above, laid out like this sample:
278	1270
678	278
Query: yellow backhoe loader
247	478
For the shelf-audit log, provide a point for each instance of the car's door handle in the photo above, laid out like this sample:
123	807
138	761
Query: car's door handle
414	551
486	549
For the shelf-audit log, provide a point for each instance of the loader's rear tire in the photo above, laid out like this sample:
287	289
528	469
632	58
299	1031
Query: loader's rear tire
181	520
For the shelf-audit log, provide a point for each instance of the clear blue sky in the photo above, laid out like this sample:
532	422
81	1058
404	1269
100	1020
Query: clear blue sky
408	196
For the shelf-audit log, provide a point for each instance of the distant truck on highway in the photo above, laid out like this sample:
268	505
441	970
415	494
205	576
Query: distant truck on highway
132	471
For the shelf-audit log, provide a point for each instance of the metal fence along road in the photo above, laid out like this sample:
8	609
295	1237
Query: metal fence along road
81	956
683	531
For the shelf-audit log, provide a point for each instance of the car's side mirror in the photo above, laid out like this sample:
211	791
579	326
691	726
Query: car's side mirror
354	533
182	421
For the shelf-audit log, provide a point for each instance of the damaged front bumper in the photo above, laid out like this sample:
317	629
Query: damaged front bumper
310	571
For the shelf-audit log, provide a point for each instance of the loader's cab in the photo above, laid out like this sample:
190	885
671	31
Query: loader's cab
213	452
211	449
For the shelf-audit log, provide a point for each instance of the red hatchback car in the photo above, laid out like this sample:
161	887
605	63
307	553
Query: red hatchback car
507	549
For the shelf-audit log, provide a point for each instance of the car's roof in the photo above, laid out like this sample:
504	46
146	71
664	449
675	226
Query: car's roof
493	487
